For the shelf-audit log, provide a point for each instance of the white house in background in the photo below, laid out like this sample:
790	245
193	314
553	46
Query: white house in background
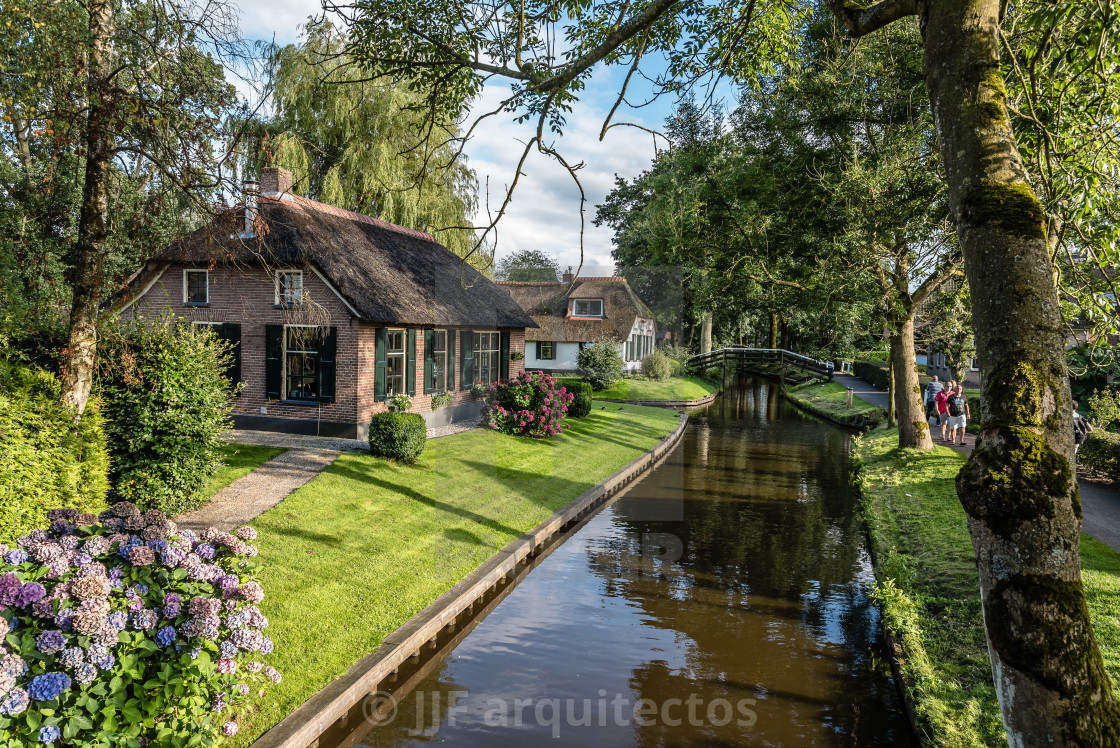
592	311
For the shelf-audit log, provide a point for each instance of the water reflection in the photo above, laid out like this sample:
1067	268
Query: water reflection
720	602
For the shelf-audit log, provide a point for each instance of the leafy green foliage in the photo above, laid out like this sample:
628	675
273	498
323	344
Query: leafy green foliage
581	397
527	265
146	660
601	365
1105	407
1101	451
46	461
440	399
399	401
529	404
876	374
656	365
166	403
399	436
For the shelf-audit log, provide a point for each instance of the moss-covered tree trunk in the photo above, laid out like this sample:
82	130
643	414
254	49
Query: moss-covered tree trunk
1018	487
81	350
913	429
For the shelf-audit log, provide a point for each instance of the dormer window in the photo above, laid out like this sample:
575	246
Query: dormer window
289	287
587	308
196	287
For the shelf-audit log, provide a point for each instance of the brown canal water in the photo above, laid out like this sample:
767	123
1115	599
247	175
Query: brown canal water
721	601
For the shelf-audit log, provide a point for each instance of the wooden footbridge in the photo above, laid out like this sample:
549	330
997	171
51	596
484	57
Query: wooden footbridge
775	363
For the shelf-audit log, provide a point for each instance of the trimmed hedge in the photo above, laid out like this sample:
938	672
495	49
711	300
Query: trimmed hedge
400	436
657	366
46	462
581	405
1101	451
601	364
875	374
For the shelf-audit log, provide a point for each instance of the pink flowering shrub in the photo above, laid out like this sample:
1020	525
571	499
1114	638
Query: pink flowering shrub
122	629
529	404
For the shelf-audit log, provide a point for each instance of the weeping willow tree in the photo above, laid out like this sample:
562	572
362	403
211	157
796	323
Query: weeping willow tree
366	146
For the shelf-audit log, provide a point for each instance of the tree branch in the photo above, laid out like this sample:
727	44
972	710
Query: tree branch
861	21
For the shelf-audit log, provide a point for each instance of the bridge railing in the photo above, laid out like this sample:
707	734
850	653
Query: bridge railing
760	356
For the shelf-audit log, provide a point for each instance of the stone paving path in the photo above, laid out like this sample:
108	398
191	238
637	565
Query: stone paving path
1100	500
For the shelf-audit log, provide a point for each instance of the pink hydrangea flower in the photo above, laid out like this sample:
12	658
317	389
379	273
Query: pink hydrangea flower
227	667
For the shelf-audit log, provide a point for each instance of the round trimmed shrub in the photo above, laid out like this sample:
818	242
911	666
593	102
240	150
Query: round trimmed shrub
601	364
122	629
527	404
399	436
656	365
581	397
46	460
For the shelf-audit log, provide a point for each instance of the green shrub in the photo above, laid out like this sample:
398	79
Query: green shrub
714	373
1101	451
676	353
46	462
441	399
1105	407
167	403
581	405
675	367
601	365
400	436
875	374
657	366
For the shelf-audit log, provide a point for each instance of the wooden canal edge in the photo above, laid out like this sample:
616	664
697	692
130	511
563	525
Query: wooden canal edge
304	726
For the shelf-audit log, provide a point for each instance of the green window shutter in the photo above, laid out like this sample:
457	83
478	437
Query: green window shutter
382	336
410	366
273	360
328	347
466	360
450	360
538	350
503	367
429	336
231	333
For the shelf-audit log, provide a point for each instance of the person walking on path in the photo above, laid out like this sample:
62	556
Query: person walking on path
942	409
1081	428
957	405
932	389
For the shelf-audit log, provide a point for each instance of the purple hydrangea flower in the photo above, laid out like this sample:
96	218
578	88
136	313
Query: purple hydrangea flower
51	641
96	546
205	551
266	646
10	586
71	657
48	734
32	592
165	636
227	650
157	544
16	556
99	655
219	702
13	664
141	555
194	653
118	619
116	574
144	620
15	702
85	673
138	589
48	686
172	556
61	527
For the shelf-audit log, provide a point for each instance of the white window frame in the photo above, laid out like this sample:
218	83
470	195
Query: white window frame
276	288
972	364
551	350
285	384
391	354
494	364
202	323
186	286
575	302
441	384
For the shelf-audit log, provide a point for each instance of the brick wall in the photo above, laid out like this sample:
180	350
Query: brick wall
246	296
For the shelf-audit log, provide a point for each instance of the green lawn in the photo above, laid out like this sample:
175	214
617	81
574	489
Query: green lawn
674	388
831	398
932	606
239	460
367	544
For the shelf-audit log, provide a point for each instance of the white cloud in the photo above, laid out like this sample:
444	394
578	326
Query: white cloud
282	19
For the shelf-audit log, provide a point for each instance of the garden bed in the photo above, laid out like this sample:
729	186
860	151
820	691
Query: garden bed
829	400
357	552
931	603
673	389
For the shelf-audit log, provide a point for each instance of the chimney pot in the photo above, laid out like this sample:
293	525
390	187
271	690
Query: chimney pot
275	181
568	277
251	190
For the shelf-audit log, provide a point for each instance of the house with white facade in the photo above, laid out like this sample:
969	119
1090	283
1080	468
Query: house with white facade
574	315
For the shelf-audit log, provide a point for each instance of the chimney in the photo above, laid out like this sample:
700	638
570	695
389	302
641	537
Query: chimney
568	277
275	181
250	189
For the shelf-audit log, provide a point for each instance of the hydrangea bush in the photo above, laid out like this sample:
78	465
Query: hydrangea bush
122	629
529	404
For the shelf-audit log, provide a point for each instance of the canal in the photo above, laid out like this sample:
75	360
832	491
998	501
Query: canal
720	601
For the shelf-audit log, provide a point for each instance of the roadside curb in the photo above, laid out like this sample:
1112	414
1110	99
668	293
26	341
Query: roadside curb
303	726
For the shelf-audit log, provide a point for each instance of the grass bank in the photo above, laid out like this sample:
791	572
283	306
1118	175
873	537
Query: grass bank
367	544
830	400
239	460
930	595
674	388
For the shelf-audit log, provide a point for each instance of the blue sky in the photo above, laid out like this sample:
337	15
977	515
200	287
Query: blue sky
544	213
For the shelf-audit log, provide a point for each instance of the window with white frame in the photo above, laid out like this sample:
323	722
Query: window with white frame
301	362
587	308
394	363
438	353
545	351
196	287
486	347
973	364
289	287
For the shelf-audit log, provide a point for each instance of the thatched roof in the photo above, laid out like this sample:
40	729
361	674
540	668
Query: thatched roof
548	303
387	273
